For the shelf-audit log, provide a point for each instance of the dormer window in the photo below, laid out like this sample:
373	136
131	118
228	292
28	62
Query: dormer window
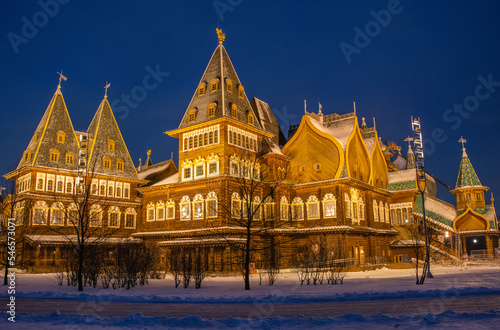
191	115
229	84
211	109
106	163
111	145
214	84
234	110
250	119
54	156
201	89
119	165
61	136
69	158
241	92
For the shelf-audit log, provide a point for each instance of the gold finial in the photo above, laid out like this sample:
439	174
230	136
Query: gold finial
221	35
61	77
149	153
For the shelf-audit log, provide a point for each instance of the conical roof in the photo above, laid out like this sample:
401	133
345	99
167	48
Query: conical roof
410	158
54	133
102	130
467	176
221	71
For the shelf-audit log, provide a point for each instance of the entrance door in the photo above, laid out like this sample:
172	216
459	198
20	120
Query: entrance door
361	255
475	243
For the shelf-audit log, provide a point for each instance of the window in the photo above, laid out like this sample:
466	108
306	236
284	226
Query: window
191	115
234	110
381	212
347	206
39	216
201	89
187	173
312	207
129	220
241	92
250	119
469	197
110	191
102	191
269	209
229	84
478	196
361	206
119	164
317	167
170	209
234	169
214	84
61	136
329	206
54	156
212	168
150	212
256	208
284	208
69	158
211	205
200	170
211	109
125	193
185	208
69	187
59	187
113	219
160	210
375	211
198	207
50	185
95	216
93	190
106	162
57	217
111	145
185	144
297	209
118	192
216	136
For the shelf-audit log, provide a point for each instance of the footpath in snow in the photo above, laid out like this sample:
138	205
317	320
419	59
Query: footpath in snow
380	284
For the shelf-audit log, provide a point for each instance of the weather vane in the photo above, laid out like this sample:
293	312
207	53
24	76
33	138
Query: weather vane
409	140
106	89
61	77
221	35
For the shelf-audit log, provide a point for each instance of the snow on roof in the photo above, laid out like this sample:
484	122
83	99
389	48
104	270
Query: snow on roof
370	143
174	178
402	176
186	231
400	162
443	209
490	214
190	241
153	169
60	239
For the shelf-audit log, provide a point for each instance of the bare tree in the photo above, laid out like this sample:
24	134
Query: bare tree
14	211
247	204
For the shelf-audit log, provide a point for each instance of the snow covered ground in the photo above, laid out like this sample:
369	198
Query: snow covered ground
379	285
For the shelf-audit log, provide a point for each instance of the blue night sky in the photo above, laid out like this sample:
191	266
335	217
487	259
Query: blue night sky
430	59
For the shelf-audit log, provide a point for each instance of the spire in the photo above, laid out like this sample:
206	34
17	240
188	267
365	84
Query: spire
219	90
107	141
148	161
106	90
61	77
54	138
363	123
467	176
410	156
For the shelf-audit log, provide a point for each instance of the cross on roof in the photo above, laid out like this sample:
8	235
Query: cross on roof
409	140
106	89
463	141
61	77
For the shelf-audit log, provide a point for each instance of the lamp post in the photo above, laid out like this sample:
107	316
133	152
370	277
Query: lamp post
421	185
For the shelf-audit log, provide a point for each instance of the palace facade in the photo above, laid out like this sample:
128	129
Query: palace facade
332	181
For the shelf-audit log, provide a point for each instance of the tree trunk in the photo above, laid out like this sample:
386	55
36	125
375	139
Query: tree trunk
80	270
246	274
6	273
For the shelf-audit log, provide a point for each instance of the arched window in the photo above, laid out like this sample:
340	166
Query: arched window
59	186
54	156
119	164
102	190
214	84
234	110
94	189
297	209
118	192
190	142
205	139
241	92
312	207
185	144
211	137
125	193
69	158
284	208
229	84
191	115
216	136
196	141
61	136
69	187
211	109
201	89
50	185
110	191
106	162
111	145
250	119
329	206
211	203
375	211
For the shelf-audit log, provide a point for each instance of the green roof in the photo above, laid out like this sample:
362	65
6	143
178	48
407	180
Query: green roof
467	177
